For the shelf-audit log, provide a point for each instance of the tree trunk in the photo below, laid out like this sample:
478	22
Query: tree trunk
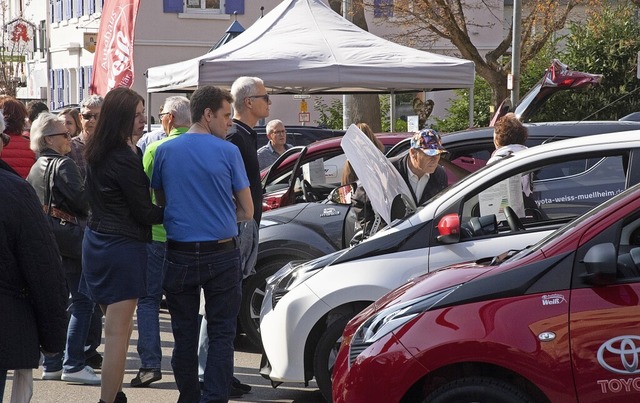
364	108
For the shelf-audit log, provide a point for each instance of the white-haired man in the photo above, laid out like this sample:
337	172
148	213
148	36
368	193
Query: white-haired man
277	135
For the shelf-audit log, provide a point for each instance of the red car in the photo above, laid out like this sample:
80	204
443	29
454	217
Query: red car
317	168
556	322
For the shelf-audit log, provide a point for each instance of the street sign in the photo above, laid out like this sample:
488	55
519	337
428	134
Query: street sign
301	96
304	117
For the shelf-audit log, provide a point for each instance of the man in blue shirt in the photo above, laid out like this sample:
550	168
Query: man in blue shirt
204	200
277	135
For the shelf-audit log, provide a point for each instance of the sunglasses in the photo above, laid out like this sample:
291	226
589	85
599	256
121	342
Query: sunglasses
265	97
163	114
5	139
88	116
67	135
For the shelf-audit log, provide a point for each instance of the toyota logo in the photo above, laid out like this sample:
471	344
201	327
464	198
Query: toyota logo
621	355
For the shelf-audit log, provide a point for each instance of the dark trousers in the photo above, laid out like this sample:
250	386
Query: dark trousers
219	275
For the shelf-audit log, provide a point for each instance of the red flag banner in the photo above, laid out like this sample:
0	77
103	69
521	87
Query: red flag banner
113	60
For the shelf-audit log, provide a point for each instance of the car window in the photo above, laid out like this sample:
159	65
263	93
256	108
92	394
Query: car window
551	192
324	171
629	249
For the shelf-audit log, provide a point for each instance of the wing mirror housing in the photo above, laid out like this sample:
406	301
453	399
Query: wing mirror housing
342	194
601	263
449	229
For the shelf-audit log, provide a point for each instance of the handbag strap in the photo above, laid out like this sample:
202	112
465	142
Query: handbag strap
48	187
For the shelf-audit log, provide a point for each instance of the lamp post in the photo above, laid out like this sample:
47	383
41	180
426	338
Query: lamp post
515	53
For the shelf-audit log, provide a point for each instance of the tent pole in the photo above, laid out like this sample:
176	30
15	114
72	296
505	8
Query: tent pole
471	107
346	99
392	111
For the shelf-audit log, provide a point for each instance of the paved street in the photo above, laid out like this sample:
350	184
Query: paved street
246	364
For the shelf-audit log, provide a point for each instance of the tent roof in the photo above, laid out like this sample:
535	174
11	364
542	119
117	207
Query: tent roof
303	46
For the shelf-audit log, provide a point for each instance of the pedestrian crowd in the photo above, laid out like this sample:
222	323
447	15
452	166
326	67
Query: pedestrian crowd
99	220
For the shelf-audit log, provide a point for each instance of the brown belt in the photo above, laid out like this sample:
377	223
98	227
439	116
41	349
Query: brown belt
57	213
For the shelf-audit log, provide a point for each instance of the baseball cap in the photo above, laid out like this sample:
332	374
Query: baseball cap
429	141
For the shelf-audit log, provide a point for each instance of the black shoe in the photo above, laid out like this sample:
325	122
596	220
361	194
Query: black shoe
145	377
95	361
235	383
235	392
120	397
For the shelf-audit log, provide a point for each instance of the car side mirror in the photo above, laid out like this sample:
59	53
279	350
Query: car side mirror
449	229
601	263
342	194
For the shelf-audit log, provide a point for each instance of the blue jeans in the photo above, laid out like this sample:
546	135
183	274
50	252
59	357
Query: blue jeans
81	313
219	275
149	348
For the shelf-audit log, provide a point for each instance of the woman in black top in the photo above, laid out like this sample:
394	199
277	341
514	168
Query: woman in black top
119	226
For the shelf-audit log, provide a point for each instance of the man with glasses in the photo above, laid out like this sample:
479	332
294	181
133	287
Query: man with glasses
89	114
277	135
154	135
250	104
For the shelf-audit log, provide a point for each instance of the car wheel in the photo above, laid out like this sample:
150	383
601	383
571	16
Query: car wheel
252	295
478	389
326	353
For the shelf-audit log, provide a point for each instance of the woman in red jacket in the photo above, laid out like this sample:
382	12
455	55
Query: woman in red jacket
17	153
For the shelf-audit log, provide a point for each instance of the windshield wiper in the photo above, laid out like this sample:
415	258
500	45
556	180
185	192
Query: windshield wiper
503	256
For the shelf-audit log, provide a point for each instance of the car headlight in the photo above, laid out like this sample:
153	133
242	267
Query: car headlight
391	318
296	275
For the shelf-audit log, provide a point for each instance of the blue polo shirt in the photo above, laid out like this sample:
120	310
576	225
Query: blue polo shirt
199	174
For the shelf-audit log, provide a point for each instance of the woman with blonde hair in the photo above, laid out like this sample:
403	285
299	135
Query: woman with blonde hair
348	174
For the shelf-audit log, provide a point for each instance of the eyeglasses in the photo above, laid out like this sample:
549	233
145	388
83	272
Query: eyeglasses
279	132
5	139
265	97
88	116
66	134
161	115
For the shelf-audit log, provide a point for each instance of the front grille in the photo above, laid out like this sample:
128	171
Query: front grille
355	350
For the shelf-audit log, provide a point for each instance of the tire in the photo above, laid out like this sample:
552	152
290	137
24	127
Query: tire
252	296
478	390
325	355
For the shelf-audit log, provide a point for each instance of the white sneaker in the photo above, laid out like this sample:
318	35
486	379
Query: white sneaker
85	376
51	376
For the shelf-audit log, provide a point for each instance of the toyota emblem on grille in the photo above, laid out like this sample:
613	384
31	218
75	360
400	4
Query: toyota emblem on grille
621	355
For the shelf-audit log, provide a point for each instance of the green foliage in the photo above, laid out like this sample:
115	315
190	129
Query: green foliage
330	115
400	125
458	117
607	43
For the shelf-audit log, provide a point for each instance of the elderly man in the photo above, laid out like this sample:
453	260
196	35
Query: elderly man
421	171
175	117
277	135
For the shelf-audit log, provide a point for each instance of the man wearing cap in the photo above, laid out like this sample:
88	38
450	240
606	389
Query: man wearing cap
420	168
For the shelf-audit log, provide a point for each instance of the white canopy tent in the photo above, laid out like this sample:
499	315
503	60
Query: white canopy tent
303	46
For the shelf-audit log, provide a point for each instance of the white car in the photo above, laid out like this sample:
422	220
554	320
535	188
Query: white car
307	306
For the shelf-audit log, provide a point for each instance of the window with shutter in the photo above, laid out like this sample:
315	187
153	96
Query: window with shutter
58	11
202	6
52	88
81	84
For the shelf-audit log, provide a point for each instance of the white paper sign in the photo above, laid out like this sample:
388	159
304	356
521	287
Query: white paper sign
505	193
413	124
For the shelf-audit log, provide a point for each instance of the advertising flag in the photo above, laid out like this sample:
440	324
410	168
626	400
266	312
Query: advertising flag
113	60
